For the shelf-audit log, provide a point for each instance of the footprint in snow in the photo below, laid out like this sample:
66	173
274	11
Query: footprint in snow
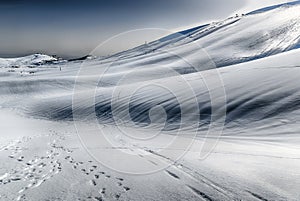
126	188
93	182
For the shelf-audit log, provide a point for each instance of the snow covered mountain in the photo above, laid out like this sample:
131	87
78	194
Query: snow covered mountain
230	87
183	55
35	59
237	39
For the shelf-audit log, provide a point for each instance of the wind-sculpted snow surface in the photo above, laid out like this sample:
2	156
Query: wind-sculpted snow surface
233	82
237	39
179	58
255	91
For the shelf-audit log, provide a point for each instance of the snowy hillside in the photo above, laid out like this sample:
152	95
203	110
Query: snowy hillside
35	59
234	40
210	113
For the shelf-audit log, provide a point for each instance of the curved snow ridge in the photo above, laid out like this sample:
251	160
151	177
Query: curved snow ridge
256	91
235	40
269	8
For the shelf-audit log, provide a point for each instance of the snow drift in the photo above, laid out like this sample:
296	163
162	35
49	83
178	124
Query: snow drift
255	91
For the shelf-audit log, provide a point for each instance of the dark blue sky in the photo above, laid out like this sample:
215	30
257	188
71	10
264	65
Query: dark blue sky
72	28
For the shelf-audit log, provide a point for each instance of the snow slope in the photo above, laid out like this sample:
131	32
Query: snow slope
234	40
255	5
219	123
179	58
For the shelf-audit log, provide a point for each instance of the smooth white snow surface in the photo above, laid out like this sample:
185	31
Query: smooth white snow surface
135	126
